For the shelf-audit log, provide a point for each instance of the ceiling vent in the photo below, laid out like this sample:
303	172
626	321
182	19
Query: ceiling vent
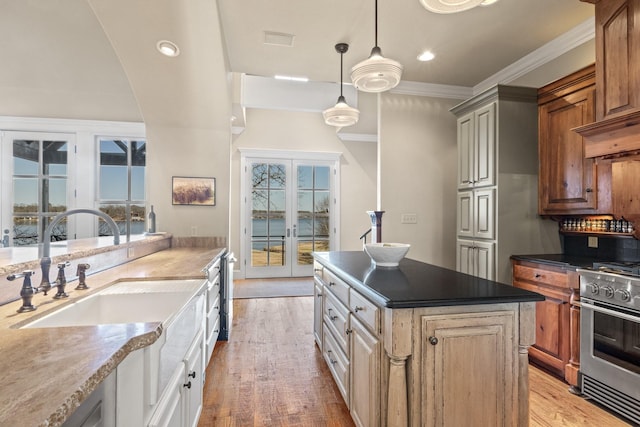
278	39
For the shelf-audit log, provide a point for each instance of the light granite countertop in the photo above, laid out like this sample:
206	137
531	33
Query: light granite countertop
48	372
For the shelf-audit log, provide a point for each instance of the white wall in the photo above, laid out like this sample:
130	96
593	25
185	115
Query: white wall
418	164
300	131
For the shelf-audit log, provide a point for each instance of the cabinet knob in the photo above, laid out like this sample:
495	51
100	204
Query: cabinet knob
319	295
357	309
589	190
187	385
348	331
192	374
433	340
331	284
537	275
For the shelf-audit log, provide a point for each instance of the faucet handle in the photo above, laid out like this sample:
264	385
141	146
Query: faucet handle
82	268
27	290
61	281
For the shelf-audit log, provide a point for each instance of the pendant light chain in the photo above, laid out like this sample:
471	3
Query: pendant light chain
341	55
376	23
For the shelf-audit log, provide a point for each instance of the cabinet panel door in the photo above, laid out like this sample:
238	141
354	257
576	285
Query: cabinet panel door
485	146
317	312
465	257
465	151
484	217
465	214
468	355
365	376
484	253
552	322
567	179
617	58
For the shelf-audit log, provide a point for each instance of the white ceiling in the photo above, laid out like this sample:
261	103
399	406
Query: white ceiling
469	46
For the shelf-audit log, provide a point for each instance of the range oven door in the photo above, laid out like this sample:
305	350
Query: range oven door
610	348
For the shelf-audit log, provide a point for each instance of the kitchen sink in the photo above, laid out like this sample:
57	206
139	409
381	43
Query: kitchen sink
125	302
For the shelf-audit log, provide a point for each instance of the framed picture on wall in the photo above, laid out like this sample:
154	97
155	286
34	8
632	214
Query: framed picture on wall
193	191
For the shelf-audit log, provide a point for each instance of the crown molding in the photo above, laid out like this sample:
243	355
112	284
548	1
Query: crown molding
432	90
573	38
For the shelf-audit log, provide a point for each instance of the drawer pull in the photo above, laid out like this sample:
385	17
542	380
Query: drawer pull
538	275
333	318
187	385
319	295
331	284
348	331
192	374
333	362
357	309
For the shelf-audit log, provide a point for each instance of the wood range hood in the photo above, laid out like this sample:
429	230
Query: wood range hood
614	137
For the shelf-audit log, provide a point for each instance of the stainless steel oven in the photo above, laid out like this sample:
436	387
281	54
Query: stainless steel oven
610	340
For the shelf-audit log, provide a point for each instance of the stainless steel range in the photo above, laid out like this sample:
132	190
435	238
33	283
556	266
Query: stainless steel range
610	336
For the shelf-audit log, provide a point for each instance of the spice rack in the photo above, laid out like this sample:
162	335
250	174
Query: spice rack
618	227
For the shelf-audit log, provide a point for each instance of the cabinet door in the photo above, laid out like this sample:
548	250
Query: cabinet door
485	146
365	376
194	382
484	265
552	324
567	179
466	132
465	256
465	214
317	312
170	410
468	370
617	58
483	214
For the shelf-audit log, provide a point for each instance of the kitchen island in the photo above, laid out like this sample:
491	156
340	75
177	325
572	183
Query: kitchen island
49	372
423	345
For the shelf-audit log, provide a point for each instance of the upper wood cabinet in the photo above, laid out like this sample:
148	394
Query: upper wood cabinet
617	121
569	183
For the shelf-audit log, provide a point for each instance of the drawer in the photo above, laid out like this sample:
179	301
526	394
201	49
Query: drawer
338	364
212	270
213	331
213	317
318	269
337	286
540	275
366	311
336	319
213	295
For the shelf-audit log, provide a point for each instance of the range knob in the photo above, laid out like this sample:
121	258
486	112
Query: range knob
623	295
607	291
593	288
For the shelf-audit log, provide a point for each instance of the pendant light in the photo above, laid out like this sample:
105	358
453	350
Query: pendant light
376	73
341	115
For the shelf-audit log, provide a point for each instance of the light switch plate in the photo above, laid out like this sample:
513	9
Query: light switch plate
592	242
409	218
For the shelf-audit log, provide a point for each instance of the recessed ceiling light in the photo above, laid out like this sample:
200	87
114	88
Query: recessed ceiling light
292	78
168	48
426	56
278	39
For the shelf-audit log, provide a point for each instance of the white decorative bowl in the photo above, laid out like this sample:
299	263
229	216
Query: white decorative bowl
386	254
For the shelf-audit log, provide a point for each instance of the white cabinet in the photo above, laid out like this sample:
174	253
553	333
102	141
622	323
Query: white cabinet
170	410
476	147
317	311
350	327
498	182
193	382
212	319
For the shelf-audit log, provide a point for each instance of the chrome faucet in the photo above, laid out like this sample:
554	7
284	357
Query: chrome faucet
45	261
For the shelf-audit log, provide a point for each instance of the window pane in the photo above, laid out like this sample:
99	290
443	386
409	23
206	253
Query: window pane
138	153
25	230
322	177
54	195
305	176
113	170
138	219
25	157
118	213
137	183
259	175
25	195
277	176
54	158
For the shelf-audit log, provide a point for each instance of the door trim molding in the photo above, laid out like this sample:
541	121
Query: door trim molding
289	154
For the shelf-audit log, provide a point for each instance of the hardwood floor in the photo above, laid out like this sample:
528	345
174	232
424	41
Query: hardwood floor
271	374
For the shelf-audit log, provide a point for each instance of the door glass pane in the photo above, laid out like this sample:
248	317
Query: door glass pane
25	157
313	198
268	215
25	195
54	194
54	158
25	230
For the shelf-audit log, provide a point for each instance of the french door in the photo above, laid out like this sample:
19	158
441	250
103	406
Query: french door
35	184
289	210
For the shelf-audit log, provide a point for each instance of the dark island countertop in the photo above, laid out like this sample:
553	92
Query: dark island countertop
417	284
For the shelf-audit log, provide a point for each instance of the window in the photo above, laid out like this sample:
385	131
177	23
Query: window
39	188
121	192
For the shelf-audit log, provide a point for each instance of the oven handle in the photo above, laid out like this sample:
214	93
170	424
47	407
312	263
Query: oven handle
589	305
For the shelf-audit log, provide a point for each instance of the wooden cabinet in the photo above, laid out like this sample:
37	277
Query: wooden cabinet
557	346
365	375
467	352
497	179
568	181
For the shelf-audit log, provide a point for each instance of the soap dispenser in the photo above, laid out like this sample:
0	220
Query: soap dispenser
152	221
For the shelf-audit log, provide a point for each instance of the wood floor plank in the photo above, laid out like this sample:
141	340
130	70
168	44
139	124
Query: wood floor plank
271	373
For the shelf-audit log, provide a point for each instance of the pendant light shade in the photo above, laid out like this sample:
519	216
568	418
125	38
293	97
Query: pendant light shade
376	73
341	115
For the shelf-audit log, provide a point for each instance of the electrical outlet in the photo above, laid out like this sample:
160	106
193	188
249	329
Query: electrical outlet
592	242
409	218
194	230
